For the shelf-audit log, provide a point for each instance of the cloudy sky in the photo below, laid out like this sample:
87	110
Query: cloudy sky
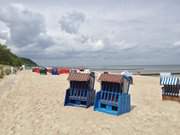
92	32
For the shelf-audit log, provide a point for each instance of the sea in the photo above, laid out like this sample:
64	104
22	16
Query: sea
138	69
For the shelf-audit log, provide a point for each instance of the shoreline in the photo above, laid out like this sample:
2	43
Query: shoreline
139	69
142	72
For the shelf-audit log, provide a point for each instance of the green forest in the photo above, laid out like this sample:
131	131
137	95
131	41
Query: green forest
9	58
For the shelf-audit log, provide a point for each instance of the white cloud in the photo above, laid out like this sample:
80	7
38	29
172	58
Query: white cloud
98	45
177	44
4	35
74	44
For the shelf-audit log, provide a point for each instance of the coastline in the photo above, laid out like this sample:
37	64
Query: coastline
143	73
140	69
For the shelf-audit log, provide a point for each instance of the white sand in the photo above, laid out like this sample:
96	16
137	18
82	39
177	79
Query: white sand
34	105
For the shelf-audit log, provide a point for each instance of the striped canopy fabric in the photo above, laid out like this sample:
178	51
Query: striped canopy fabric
169	80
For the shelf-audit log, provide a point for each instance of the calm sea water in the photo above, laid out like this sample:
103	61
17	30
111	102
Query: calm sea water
139	69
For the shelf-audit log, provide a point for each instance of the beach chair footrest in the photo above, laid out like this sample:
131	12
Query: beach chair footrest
172	98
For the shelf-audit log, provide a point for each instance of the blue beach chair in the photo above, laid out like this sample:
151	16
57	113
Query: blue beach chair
113	98
55	71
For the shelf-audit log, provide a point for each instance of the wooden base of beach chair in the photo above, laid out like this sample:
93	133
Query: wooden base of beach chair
172	98
81	101
123	104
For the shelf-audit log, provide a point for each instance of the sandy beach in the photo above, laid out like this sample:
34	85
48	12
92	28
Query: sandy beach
32	104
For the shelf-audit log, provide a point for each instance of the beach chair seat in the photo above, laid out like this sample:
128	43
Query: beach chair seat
74	94
110	98
84	95
114	107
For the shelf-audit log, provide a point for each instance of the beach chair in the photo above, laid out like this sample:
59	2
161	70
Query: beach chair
49	70
64	70
36	69
170	88
54	71
81	91
43	71
113	98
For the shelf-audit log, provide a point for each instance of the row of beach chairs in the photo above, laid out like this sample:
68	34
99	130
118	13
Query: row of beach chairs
112	98
53	71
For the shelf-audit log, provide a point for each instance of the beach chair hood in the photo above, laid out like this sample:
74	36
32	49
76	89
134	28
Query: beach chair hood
169	80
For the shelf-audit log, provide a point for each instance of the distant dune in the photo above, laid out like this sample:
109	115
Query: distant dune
9	58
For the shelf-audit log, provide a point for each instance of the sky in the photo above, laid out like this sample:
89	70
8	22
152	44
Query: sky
92	32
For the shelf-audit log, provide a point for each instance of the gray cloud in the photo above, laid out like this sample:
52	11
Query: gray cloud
25	26
71	21
26	29
117	32
28	34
